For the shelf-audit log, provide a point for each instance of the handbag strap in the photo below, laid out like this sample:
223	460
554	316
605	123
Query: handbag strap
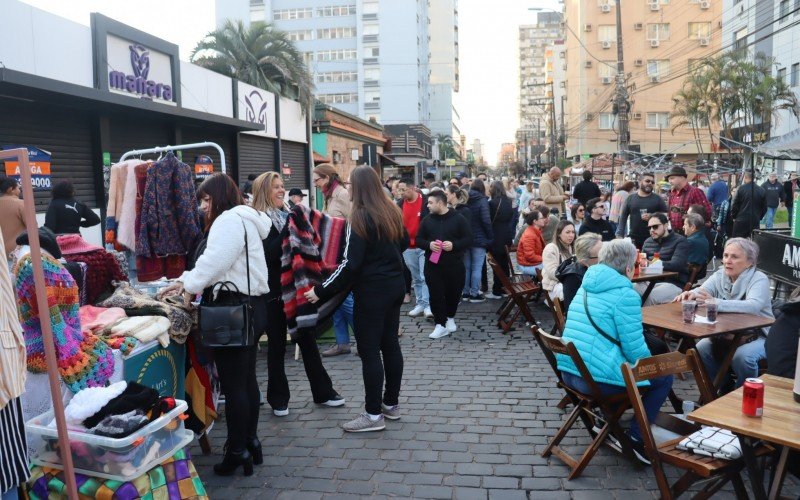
599	330
247	259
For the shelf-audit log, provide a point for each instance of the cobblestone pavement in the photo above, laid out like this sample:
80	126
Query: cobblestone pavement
478	408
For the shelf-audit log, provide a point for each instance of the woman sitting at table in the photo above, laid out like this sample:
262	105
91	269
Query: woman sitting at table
556	252
608	298
531	245
587	247
738	288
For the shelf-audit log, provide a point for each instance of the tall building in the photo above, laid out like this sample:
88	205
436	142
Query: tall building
661	40
372	58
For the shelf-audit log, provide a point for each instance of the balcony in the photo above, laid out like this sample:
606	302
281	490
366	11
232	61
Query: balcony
371	83
372	16
372	105
370	61
370	38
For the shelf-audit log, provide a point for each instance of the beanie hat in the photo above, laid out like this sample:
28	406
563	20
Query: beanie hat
73	243
47	241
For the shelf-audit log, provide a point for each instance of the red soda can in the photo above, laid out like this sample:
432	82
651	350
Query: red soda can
753	397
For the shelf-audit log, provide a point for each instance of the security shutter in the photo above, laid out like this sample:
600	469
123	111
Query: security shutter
225	140
129	133
294	153
66	134
256	155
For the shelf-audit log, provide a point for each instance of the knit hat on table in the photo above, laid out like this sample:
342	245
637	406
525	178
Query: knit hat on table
73	243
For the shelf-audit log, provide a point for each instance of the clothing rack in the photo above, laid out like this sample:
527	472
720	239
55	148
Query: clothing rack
164	149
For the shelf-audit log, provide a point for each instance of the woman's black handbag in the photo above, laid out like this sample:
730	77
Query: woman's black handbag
227	321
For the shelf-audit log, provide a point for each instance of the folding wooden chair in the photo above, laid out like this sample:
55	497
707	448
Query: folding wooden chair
697	468
591	408
519	294
557	308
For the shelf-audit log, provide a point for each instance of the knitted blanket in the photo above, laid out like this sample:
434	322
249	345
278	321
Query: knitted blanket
103	269
310	252
84	360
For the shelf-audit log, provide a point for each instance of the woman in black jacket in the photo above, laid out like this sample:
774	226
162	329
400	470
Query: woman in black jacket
502	214
587	248
373	265
65	214
482	235
457	198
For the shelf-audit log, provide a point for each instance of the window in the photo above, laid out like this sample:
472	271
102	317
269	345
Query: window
607	70
782	75
337	76
372	74
336	55
606	33
338	10
607	121
370	7
740	39
658	31
371	51
699	30
658	67
338	98
329	33
370	29
372	96
658	120
784	9
795	77
308	57
299	35
286	14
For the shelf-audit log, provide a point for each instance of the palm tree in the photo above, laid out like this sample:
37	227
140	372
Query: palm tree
260	55
446	147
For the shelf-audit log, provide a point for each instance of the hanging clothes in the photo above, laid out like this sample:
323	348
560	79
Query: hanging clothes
121	195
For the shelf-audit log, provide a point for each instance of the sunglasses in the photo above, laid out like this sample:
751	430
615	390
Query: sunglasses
654	227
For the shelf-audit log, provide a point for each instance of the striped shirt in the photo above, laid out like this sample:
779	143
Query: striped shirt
13	452
12	342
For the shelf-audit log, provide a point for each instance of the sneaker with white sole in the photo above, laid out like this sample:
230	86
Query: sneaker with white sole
492	296
428	312
335	401
451	325
476	299
391	412
439	332
281	411
364	423
416	311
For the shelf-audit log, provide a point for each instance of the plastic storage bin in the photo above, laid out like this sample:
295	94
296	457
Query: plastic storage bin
117	459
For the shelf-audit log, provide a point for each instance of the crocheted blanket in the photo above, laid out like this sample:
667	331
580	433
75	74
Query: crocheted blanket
103	270
310	252
84	360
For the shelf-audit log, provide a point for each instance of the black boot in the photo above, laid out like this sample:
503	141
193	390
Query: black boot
232	460
254	447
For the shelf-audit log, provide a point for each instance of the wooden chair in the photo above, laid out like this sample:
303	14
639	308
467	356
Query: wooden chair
592	408
559	318
697	468
519	294
694	271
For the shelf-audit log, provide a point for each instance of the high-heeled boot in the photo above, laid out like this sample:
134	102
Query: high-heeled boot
232	460
254	447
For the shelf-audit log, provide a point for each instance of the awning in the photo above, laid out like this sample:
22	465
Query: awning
599	165
385	160
320	159
786	146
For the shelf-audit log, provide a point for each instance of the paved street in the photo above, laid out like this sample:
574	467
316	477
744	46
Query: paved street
478	408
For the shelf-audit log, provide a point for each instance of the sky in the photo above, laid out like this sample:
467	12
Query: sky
488	51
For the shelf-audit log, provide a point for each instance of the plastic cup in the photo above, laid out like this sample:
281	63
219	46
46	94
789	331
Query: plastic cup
689	307
711	309
642	212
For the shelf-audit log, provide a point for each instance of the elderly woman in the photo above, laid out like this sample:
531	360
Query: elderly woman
605	325
587	248
738	288
556	252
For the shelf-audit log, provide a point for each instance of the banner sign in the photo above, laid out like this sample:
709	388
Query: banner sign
39	161
779	256
203	167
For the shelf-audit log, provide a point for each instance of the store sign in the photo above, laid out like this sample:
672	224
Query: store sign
138	71
39	161
203	167
779	255
257	106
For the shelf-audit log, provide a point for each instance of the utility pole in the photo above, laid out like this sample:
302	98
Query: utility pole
621	98
538	145
563	126
553	143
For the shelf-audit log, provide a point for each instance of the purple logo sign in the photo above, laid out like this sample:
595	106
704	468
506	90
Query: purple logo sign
256	111
137	83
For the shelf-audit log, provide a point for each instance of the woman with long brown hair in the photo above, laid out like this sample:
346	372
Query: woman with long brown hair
373	265
268	193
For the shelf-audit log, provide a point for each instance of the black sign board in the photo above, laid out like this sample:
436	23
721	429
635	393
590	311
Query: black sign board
779	256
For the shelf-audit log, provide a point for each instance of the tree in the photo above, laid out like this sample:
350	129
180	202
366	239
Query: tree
260	55
446	146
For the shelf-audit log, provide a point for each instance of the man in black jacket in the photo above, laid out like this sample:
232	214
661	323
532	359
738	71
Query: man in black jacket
444	235
774	193
586	189
594	222
749	207
673	252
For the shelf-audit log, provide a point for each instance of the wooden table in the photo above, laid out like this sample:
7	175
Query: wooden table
669	317
651	280
780	425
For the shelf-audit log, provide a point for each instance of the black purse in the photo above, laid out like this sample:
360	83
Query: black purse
227	321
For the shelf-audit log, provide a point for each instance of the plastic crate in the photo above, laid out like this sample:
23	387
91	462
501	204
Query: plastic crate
120	459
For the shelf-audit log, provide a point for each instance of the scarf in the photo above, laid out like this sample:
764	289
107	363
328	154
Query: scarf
737	290
328	190
278	216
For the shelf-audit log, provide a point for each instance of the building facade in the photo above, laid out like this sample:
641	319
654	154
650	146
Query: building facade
661	39
444	67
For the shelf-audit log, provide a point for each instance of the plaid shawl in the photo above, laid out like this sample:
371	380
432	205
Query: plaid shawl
310	252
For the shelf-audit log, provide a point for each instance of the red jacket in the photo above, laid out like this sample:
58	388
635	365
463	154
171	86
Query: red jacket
679	202
530	247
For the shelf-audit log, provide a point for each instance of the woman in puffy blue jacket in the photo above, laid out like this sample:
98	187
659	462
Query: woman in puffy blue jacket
607	295
482	236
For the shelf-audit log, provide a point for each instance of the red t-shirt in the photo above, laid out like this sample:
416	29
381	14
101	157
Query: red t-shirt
412	212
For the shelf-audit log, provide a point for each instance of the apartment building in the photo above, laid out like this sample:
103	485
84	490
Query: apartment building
444	79
661	40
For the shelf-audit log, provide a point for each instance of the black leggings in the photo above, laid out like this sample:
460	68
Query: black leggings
278	385
445	284
376	319
500	255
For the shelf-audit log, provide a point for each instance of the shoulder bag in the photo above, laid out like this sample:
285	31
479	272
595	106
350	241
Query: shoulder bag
228	321
654	344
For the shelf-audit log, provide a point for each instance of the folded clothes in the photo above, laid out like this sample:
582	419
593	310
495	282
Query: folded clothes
713	442
143	328
89	401
134	397
96	318
118	426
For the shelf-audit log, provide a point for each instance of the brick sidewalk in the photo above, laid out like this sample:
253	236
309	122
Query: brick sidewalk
478	408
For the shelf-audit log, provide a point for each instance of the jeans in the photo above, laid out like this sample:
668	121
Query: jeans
745	359
530	270
473	266
769	217
652	399
9	495
415	261
343	321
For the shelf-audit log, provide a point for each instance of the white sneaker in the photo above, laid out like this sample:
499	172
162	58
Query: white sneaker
451	325
439	332
490	295
428	312
416	311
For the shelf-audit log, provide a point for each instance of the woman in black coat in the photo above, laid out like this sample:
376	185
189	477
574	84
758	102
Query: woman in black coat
501	212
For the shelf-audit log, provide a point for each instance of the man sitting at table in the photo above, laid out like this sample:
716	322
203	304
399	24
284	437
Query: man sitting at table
608	298
739	288
695	228
673	252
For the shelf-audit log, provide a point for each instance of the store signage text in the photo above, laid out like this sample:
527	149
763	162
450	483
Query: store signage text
203	167
137	83
791	257
39	162
779	255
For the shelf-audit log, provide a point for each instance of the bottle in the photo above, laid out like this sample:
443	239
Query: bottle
636	265
656	257
796	389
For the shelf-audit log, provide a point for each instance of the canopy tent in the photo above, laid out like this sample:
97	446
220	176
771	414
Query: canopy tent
786	146
604	164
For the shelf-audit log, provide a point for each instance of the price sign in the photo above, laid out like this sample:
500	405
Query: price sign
39	161
203	167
